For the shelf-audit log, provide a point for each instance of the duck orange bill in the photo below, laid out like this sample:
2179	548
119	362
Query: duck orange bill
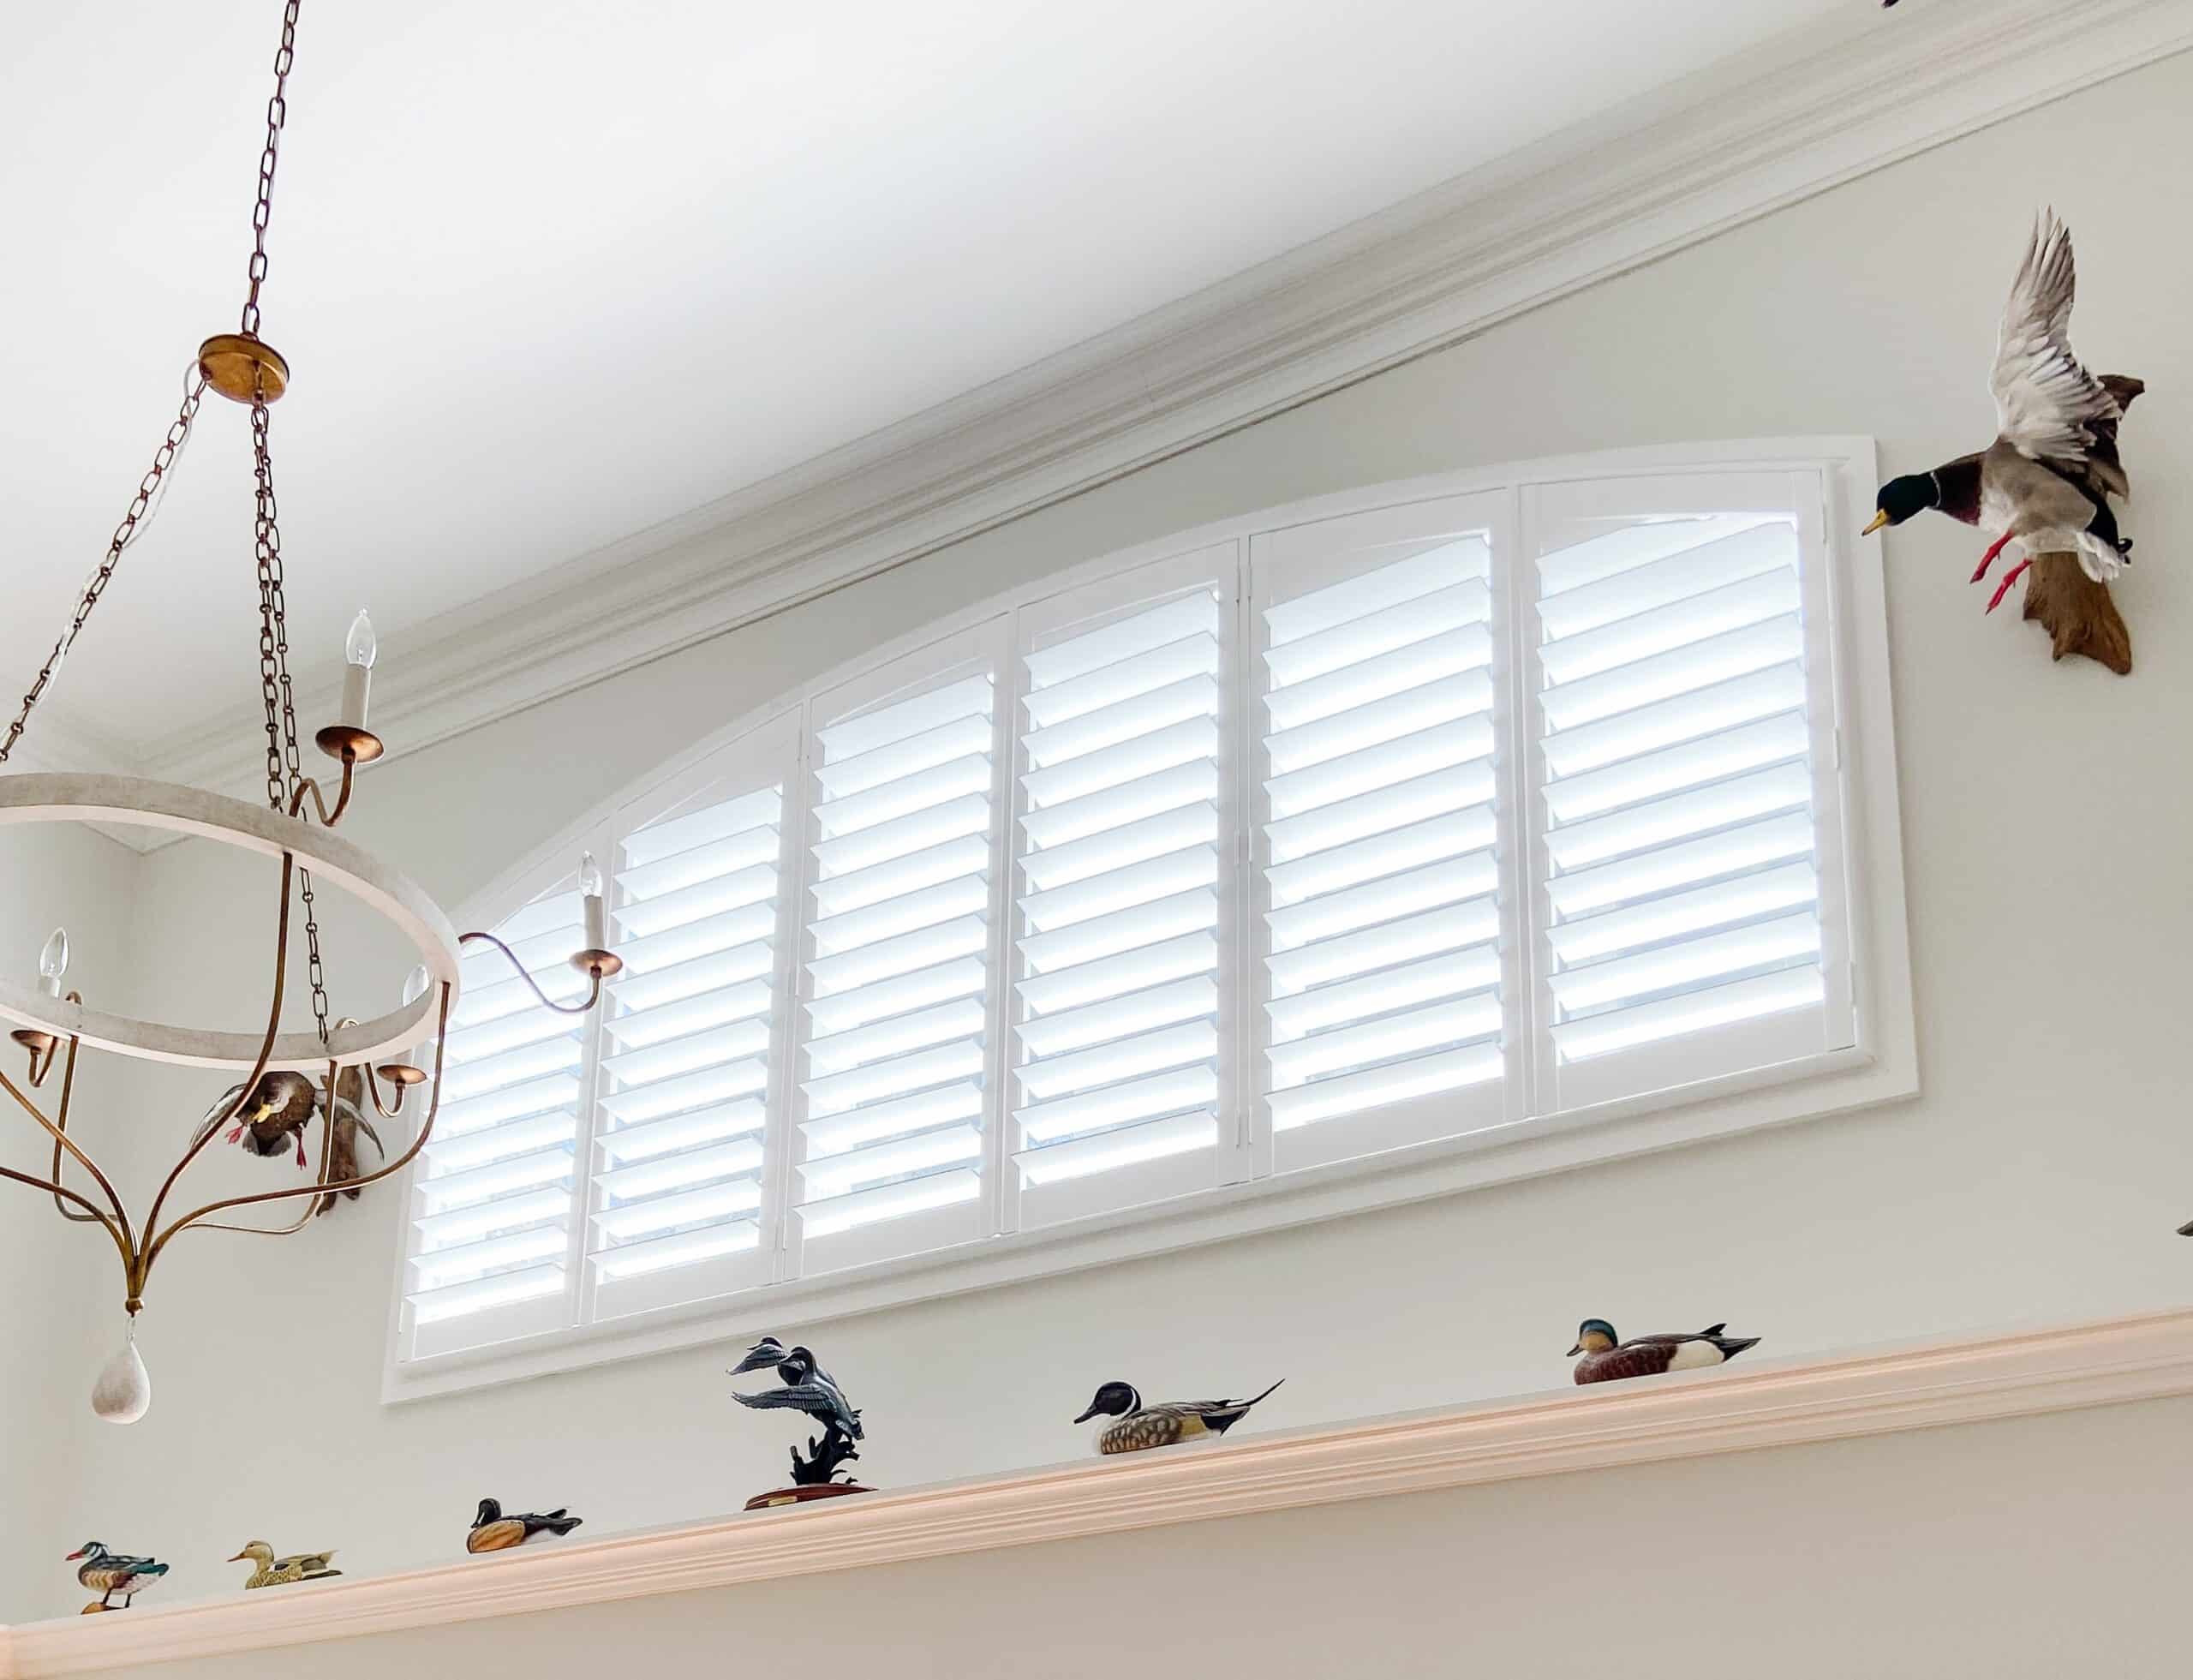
1874	524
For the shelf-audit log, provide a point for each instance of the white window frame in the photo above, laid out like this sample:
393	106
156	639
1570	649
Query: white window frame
1854	744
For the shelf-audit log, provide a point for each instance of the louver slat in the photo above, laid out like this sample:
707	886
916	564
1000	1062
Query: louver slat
897	967
1382	971
1685	935
1117	1037
686	1046
492	1198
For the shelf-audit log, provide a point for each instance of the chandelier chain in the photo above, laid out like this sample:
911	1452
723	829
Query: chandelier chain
262	212
170	446
285	773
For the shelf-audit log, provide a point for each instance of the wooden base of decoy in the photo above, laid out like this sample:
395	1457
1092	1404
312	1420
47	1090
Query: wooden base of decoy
95	1608
2077	612
800	1496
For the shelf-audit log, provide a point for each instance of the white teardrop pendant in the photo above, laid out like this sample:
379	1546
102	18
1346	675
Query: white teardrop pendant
123	1392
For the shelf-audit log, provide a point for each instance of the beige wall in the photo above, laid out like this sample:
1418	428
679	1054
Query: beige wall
2041	1175
2045	1549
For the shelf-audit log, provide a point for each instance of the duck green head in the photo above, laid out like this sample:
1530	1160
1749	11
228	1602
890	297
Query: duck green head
1594	1335
1901	498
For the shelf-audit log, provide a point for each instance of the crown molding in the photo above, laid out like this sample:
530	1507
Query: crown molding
1772	127
1686	1415
59	742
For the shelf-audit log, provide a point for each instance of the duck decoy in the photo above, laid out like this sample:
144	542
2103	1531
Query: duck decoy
494	1531
2047	479
1608	1359
107	1573
1137	1427
807	1388
269	1570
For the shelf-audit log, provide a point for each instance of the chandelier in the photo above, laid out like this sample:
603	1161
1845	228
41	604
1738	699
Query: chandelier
290	1081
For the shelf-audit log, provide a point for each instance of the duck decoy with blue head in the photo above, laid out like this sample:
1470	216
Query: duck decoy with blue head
1136	1427
494	1531
108	1572
2047	480
1608	1359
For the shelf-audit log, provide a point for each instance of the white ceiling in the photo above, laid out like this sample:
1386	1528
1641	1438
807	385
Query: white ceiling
550	271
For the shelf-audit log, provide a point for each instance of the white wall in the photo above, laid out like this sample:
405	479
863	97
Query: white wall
2041	1175
54	1277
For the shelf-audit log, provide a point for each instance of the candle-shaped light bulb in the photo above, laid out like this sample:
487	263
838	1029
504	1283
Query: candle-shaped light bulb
53	962
597	916
415	985
361	648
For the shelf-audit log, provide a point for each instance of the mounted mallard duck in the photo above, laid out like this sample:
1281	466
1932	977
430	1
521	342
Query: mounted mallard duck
272	1571
1137	1427
108	1572
1608	1359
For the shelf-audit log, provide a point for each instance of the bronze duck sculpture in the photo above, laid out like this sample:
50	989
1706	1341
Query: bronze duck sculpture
1136	1427
1608	1359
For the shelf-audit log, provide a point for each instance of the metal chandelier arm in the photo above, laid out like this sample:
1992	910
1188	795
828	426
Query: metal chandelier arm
596	971
91	1214
190	1221
259	1067
60	1118
119	1226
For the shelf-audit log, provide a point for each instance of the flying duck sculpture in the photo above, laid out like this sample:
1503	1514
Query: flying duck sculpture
494	1531
108	1572
2046	481
272	1120
1135	1427
268	1570
806	1388
1608	1359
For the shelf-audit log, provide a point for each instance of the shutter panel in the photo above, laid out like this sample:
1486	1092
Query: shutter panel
492	1195
904	834
1382	968
1680	677
691	1038
1123	1008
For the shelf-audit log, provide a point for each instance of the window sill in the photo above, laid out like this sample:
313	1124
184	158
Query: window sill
1694	1414
1835	1082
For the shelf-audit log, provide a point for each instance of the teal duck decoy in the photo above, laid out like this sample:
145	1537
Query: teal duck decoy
1608	1359
1136	1427
108	1572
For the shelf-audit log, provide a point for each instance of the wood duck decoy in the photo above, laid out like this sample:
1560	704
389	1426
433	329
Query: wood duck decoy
1608	1359
494	1531
107	1573
2047	479
1137	1427
809	1389
272	1571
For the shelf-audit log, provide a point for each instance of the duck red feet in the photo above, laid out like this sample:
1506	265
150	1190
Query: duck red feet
1988	559
2004	587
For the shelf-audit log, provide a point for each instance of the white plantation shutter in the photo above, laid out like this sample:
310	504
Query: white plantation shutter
1387	867
1692	905
492	1195
905	833
1123	1004
691	1038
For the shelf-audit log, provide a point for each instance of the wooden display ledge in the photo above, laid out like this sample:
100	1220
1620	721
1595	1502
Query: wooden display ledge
1763	1403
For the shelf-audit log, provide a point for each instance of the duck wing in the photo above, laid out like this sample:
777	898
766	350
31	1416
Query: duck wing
214	1113
820	1400
2047	403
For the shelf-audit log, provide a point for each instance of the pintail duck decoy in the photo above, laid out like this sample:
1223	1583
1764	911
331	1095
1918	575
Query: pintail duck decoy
107	1573
1608	1359
494	1531
1137	1427
2047	479
272	1571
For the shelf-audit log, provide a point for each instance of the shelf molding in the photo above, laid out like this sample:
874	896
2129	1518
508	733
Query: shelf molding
1810	111
1737	1408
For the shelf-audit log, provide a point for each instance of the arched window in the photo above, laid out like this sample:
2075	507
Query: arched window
1426	835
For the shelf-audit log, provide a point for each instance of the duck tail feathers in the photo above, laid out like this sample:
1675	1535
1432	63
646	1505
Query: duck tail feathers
1731	1346
560	1524
1247	1403
1712	1330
